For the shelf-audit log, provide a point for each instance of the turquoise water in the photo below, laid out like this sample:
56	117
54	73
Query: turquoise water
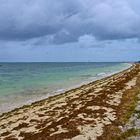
22	83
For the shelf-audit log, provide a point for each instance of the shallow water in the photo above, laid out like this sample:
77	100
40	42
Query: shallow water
22	83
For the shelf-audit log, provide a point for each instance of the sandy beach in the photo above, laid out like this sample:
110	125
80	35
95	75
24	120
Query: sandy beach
84	113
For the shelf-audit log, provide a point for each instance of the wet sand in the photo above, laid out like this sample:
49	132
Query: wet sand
78	114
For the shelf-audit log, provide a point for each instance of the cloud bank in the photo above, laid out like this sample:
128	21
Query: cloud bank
69	30
63	21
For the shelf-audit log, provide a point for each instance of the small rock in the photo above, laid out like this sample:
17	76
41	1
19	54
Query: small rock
121	128
138	108
137	123
139	96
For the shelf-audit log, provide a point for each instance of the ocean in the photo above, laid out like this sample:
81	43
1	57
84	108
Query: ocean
23	83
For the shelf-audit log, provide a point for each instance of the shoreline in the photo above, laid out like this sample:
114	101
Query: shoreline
57	92
80	113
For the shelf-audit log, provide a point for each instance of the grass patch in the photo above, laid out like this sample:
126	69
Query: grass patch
130	132
129	107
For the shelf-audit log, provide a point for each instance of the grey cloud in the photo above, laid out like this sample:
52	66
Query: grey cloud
66	21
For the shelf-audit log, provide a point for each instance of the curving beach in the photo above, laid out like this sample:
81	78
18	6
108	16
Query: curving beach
89	112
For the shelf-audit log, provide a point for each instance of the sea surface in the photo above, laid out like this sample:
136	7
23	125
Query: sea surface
23	83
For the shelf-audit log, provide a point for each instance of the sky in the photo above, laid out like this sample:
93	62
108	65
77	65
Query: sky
69	30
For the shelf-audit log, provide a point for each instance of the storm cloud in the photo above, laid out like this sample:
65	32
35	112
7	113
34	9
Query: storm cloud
69	30
63	21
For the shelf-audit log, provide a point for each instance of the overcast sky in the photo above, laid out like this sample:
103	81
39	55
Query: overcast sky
69	30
